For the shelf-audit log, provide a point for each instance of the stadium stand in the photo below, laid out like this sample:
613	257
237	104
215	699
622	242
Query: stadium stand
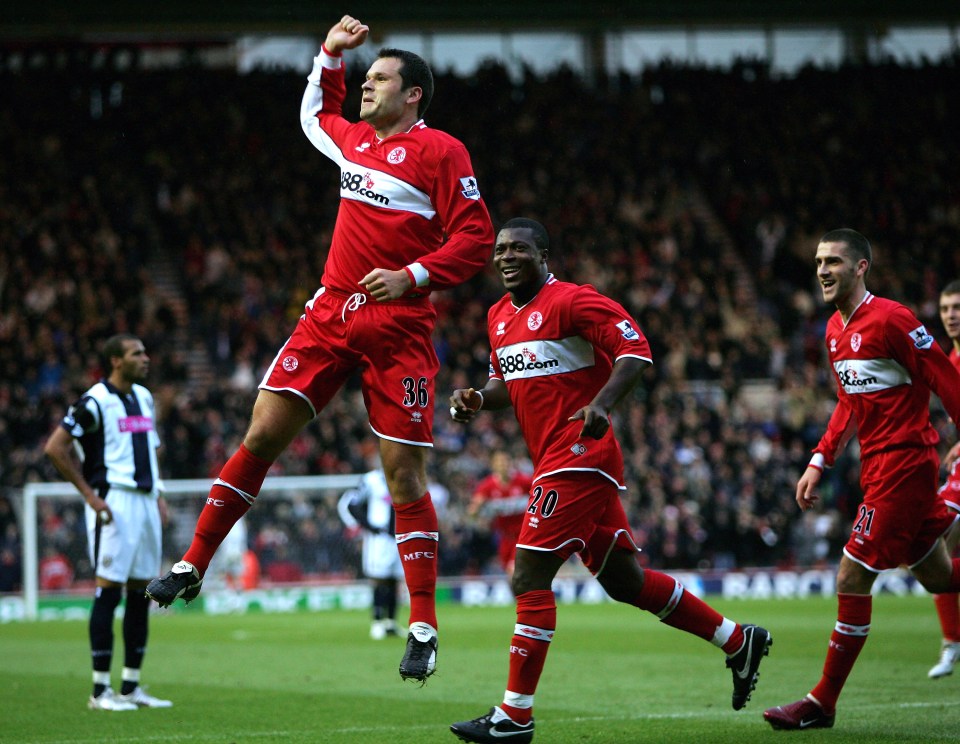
186	207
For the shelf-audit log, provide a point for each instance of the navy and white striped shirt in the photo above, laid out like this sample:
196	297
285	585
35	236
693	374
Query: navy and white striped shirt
116	437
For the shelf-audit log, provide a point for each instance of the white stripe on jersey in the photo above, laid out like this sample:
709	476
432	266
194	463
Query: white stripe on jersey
380	189
538	358
870	375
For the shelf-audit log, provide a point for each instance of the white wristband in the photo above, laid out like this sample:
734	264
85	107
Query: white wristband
481	400
420	275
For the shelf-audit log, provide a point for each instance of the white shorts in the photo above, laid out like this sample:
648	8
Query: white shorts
381	558
130	545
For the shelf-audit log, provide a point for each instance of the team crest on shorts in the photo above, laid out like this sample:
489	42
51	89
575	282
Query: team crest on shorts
535	320
855	340
290	363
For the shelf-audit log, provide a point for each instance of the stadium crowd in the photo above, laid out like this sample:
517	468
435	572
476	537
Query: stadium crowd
185	206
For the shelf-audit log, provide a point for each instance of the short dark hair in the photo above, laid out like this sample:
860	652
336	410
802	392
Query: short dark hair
415	73
951	288
858	245
113	347
540	236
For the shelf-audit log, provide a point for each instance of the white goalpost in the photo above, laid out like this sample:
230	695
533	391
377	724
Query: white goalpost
276	487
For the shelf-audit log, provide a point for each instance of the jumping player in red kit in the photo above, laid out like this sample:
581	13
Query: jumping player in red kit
411	220
563	356
886	364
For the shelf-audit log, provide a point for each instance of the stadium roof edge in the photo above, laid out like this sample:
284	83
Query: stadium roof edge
67	17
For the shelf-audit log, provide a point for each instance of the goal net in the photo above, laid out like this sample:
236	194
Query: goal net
295	523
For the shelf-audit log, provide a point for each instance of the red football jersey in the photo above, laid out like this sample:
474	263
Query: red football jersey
554	354
886	364
517	488
408	200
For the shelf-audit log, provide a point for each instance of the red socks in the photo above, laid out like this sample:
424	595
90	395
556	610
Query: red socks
417	541
231	496
846	641
666	598
948	610
536	622
948	606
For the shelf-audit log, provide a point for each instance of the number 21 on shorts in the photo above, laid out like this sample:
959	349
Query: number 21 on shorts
864	520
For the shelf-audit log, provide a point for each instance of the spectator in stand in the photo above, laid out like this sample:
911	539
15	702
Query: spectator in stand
185	196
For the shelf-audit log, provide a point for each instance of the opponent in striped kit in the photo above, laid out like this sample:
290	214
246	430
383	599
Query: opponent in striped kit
112	428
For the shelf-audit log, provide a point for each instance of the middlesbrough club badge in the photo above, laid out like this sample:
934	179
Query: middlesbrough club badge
290	363
855	340
534	321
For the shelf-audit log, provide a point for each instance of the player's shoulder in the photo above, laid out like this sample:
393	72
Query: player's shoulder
501	305
554	290
142	391
436	137
875	305
99	391
434	145
890	313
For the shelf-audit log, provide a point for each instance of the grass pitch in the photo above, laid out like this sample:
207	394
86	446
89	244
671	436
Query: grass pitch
613	675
